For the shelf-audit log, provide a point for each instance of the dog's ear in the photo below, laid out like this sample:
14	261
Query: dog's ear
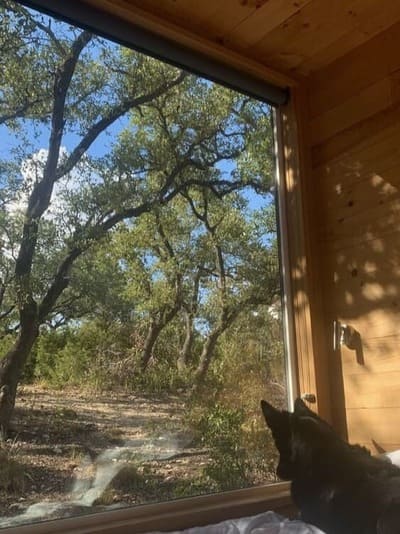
271	414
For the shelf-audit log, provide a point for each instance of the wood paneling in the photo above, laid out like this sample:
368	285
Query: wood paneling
293	37
353	110
185	34
313	28
369	425
355	159
269	16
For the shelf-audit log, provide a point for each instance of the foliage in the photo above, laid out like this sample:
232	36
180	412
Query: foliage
74	356
226	413
220	429
125	201
12	474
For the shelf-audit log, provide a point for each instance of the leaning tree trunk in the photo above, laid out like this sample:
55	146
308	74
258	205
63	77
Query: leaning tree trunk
151	338
207	353
186	350
155	328
12	365
205	359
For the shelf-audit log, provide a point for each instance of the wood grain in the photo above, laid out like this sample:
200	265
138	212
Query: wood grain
374	424
191	39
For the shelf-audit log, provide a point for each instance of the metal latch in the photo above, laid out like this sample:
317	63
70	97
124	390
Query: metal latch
344	334
309	397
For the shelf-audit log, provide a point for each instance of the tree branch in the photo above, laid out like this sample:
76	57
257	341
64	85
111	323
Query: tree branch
114	114
60	282
39	199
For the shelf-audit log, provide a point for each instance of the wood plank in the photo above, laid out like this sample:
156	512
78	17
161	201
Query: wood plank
363	210
350	74
376	133
379	424
345	141
191	40
380	357
372	100
367	299
349	190
227	16
372	20
373	390
344	240
190	13
347	42
317	25
345	185
263	20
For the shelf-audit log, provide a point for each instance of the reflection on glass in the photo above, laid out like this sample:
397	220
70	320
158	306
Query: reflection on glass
140	320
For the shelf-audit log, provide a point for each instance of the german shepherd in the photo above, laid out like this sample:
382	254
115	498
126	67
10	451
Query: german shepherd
339	488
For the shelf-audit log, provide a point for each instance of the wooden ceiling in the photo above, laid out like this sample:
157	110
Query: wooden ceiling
288	38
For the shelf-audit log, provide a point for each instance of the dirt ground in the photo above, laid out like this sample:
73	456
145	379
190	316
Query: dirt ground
60	438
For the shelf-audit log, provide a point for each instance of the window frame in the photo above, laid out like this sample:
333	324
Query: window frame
171	515
303	373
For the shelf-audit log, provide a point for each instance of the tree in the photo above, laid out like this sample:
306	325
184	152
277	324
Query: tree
66	185
156	255
244	268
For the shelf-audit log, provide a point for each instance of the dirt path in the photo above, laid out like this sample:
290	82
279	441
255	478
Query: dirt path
60	438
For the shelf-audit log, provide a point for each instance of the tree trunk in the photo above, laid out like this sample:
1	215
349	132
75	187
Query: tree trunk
13	363
209	347
151	338
155	328
186	350
205	358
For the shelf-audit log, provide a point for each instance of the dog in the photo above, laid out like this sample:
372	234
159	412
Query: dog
338	487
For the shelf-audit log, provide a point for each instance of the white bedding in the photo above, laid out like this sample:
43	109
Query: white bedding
265	523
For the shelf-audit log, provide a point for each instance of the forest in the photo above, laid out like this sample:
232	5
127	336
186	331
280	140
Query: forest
139	249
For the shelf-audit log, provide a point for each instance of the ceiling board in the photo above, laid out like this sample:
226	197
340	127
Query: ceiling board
292	37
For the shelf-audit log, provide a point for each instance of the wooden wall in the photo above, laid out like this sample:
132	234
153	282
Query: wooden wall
353	110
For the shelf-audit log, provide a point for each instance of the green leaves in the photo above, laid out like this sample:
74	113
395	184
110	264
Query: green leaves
128	187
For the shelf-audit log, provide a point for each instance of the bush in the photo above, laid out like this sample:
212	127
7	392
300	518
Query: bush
102	357
160	378
89	355
59	357
12	476
249	366
221	431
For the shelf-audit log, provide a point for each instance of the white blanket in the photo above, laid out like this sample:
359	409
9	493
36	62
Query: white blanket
265	523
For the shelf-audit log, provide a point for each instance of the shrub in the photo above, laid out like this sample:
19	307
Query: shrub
221	431
12	475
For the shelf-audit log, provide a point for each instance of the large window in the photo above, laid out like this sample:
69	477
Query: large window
140	287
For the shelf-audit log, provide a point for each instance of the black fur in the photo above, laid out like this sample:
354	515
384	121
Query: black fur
337	487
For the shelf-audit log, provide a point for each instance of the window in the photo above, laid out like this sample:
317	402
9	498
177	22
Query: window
141	317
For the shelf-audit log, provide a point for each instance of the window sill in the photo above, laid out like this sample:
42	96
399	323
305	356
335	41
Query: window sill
179	514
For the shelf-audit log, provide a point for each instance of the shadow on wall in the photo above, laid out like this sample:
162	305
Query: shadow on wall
357	201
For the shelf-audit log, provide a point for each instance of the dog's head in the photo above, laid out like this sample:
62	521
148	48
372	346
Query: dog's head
299	436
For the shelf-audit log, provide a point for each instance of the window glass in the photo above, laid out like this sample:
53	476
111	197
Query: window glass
140	290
